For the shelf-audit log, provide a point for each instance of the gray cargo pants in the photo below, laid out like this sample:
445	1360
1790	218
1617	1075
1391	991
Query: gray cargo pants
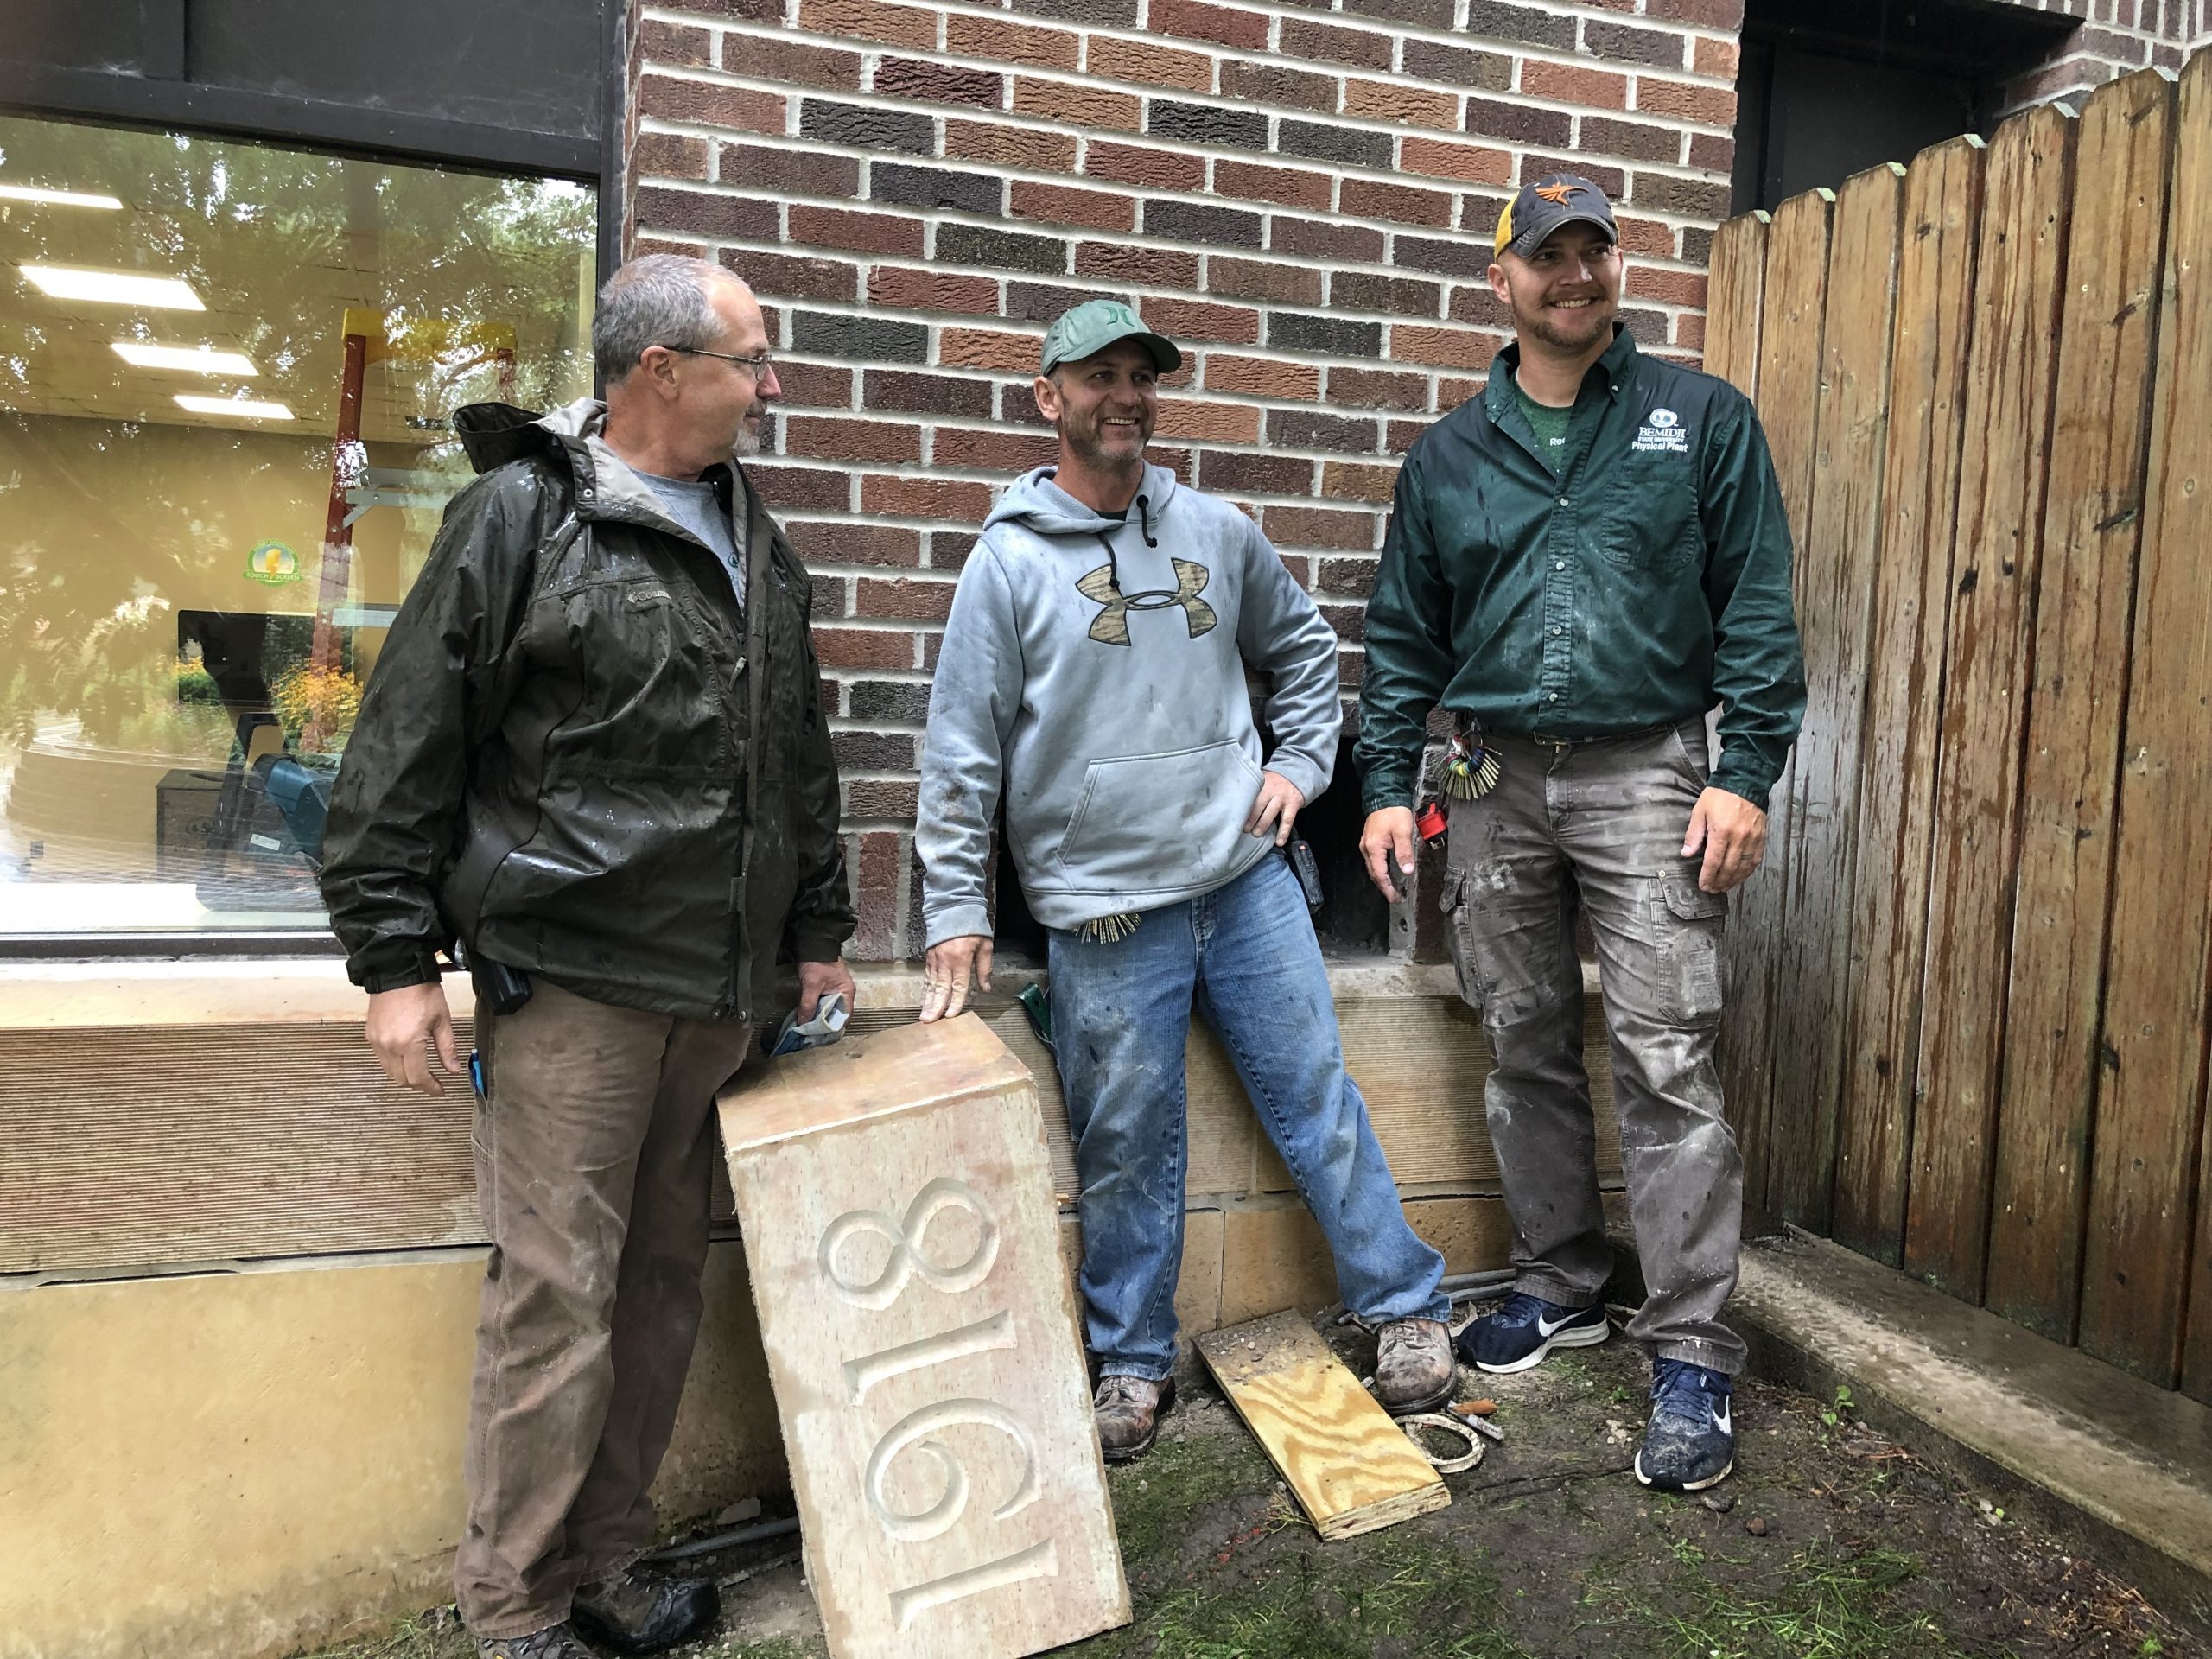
1601	823
594	1164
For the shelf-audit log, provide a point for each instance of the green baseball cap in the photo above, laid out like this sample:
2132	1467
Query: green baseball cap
1085	330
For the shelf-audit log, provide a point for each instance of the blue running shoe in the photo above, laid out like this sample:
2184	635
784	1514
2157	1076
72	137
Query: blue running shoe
1691	1444
1526	1329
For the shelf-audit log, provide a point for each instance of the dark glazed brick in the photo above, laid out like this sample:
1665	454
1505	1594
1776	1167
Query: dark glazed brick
1468	257
891	700
1434	13
875	751
1377	389
1623	44
1263	279
1219	469
788	172
979	244
887	389
1270	83
1295	332
867	129
949	550
819	543
1477	304
1503	23
820	333
1317	238
1406	296
1460	65
1198	221
773	59
1328	143
1711	152
801	487
1134	262
1713	14
704	214
1018	402
1206	124
1611	179
1103	14
1633	139
1042	302
939	82
1303	42
1353	578
1519	122
1191	20
1697	247
936	187
1308	429
785	278
1154	169
1661	193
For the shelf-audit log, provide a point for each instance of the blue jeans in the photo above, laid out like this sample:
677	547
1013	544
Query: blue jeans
1245	955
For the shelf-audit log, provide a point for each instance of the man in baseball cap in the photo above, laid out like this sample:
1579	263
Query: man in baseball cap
1085	330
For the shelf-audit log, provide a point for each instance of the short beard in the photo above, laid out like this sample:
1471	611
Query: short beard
1538	322
1091	450
746	444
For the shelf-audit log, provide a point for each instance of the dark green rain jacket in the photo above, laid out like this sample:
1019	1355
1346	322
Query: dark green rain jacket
552	756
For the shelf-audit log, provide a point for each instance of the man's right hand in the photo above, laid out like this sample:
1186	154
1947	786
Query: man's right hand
1387	840
944	975
402	1024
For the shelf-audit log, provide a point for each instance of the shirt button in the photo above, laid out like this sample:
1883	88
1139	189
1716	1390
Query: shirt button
1554	630
1562	501
1559	564
1555	696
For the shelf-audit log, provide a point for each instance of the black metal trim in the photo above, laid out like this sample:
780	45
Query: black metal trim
44	89
167	947
613	130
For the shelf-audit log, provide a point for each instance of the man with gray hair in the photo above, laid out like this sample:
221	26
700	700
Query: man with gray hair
593	755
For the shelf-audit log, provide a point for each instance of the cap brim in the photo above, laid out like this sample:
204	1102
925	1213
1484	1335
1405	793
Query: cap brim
1166	356
1528	241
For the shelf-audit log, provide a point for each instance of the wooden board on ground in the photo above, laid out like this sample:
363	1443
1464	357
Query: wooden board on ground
1911	605
903	1244
1350	1468
2092	520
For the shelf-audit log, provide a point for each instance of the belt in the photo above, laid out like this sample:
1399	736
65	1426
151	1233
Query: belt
1550	740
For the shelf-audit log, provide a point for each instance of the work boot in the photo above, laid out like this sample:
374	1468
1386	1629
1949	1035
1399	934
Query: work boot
641	1610
1128	1410
1414	1367
555	1642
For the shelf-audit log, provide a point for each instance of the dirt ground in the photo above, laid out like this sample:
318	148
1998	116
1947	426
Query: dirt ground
1828	1542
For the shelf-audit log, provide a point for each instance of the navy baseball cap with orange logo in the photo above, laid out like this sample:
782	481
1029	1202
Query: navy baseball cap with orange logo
1541	208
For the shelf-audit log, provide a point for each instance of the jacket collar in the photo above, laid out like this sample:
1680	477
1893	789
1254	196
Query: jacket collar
1613	371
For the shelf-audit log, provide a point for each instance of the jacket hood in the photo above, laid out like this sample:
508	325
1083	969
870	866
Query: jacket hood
1036	502
492	435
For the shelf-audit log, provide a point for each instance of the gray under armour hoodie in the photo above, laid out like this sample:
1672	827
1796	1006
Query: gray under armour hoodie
1092	674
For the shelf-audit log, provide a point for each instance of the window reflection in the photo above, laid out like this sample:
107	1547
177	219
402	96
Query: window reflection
227	375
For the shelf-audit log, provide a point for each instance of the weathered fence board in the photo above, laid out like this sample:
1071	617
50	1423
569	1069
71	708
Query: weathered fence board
1834	592
2022	269
2092	520
1789	383
1733	295
1911	607
2145	1168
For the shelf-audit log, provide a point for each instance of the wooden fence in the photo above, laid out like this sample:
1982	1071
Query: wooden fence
1969	1021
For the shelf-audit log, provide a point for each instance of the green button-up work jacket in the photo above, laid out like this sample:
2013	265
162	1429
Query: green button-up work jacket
1645	581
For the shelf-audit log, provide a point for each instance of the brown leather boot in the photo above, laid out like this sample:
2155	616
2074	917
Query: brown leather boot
555	1642
642	1610
1128	1409
1414	1368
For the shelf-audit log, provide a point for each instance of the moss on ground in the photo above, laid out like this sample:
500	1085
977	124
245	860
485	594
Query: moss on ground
1157	1497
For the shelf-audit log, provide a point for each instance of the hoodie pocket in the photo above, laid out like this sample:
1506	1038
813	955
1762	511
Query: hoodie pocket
1155	823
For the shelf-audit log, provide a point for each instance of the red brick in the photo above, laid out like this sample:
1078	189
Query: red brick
1349	622
668	156
1711	106
704	212
642	246
1565	84
987	348
776	170
939	82
864	647
916	601
820	541
1193	21
1668	287
710	103
1644	236
1354	244
1689	330
1712	152
820	487
952	499
1263	279
987	140
1394	100
882	798
1291	187
773	57
1184	319
1440	158
1715	58
910	391
992	449
1148	65
1319	527
1260	377
1079	106
1370	198
1611	179
830	228
1248	474
1008	42
1139	164
1377	389
788	277
824	438
1709	14
1302	41
1061	206
910	289
1475	304
1352	480
1209	423
1368	291
675	43
1451	390
1136	262
871	20
1398	437
1273	84
1454	348
814	385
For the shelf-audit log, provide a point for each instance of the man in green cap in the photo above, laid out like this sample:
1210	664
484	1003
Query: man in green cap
1092	679
1580	562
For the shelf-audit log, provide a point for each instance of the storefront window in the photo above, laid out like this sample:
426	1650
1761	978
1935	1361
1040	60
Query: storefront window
227	377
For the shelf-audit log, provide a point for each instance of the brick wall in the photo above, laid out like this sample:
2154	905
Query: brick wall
1303	196
2115	38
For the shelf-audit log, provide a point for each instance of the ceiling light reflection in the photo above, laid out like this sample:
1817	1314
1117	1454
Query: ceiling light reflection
56	198
193	360
112	287
246	408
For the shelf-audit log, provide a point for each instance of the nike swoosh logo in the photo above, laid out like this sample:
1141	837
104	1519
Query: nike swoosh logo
1721	1421
1546	1328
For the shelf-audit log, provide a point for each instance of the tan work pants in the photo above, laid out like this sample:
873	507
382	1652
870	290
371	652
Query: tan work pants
593	1170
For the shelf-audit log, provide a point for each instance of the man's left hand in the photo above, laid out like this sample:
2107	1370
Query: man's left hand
815	978
1732	833
1278	805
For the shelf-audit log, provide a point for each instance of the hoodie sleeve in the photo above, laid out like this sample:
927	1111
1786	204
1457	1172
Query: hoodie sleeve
973	701
1280	631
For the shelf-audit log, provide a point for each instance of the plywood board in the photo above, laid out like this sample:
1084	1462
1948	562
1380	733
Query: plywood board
1834	582
2146	1164
1788	399
903	1239
1350	1468
1911	615
2099	438
2010	384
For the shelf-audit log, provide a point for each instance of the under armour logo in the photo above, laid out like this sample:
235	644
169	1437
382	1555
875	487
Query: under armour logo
1111	626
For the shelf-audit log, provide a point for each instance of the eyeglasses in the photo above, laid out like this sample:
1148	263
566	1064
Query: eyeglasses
760	364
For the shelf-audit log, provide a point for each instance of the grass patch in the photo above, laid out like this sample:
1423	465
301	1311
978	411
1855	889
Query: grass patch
1156	1497
424	1636
1824	1603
